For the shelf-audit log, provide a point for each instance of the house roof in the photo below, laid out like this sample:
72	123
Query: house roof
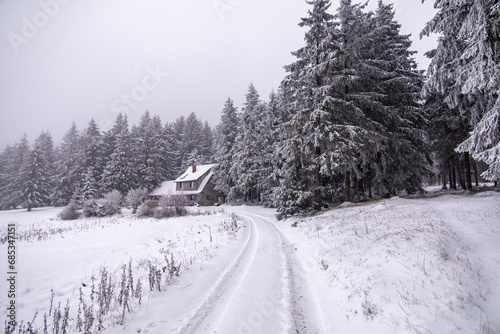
188	175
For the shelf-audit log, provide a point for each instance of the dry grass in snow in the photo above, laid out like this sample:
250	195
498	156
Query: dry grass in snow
408	266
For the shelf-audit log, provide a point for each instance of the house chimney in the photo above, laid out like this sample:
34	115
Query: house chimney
194	169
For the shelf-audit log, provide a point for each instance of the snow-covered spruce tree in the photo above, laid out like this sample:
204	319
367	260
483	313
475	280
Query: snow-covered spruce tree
224	140
91	157
36	173
171	153
207	144
119	173
269	125
246	150
192	142
8	175
177	140
149	147
68	168
465	68
323	133
387	90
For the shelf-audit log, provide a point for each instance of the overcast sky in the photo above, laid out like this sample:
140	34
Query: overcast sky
67	60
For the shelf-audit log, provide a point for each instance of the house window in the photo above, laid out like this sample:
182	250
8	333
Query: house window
180	185
192	184
193	198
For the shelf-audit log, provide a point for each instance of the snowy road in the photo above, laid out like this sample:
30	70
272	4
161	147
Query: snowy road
262	294
254	286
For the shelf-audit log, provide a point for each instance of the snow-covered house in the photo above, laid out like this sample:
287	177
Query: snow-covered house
194	185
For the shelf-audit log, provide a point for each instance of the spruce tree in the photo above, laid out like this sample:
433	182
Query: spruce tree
324	130
91	157
224	140
464	69
246	150
192	142
388	93
119	173
68	169
36	173
8	173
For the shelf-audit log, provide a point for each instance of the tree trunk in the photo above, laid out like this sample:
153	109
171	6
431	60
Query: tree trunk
453	177
369	182
468	177
317	190
347	184
476	176
461	180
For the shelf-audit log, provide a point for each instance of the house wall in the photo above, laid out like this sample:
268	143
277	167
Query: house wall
209	196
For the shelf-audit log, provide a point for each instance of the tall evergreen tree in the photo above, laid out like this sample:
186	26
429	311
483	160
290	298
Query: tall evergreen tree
388	91
119	173
153	162
178	128
323	133
8	175
91	157
13	190
464	69
207	143
192	142
224	140
246	150
171	152
68	170
269	126
36	173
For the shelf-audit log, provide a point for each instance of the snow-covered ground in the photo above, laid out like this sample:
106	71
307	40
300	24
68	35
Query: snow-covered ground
392	266
406	265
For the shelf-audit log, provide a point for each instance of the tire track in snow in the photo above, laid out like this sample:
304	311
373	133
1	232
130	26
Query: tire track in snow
287	319
241	263
303	299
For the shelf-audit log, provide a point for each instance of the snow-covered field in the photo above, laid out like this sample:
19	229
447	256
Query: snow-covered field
406	265
67	256
391	266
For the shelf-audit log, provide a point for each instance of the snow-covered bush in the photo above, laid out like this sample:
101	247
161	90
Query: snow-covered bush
109	205
147	209
70	212
135	197
165	208
91	208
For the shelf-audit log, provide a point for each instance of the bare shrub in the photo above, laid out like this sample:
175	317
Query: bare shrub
109	205
147	209
70	212
135	198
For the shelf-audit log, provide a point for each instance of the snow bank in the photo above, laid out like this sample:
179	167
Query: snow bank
406	266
